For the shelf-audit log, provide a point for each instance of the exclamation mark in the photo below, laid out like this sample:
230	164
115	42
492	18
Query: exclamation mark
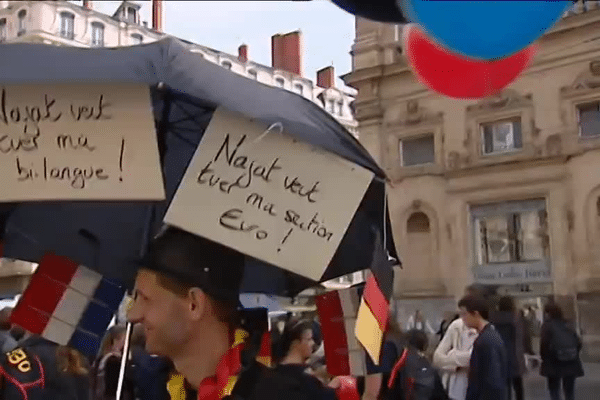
121	159
285	238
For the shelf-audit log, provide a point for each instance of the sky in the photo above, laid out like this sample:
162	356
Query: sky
328	31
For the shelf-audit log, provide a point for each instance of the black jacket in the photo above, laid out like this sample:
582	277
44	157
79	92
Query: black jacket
488	370
33	366
550	365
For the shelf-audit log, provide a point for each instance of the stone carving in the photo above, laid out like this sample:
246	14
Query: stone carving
414	114
416	204
589	79
508	98
453	161
554	145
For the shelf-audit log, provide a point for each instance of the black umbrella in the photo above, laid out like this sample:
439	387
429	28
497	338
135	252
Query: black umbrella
186	89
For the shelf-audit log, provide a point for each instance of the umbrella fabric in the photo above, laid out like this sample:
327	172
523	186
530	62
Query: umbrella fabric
186	89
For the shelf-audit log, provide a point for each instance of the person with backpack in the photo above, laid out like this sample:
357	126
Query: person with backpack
413	377
559	348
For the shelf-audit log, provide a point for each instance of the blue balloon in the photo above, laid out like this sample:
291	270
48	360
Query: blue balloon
484	29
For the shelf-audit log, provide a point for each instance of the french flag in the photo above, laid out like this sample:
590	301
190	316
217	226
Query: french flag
68	304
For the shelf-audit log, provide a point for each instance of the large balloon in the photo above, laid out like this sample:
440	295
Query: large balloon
484	29
457	76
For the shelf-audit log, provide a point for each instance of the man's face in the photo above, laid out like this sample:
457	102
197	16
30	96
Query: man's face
469	319
307	343
162	314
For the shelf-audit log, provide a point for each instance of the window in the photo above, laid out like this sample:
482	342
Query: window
340	109
298	88
97	34
417	151
588	116
279	82
3	30
331	106
511	232
131	15
418	222
226	65
501	136
22	26
137	38
252	74
67	25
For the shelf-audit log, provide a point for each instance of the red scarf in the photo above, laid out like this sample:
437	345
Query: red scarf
221	384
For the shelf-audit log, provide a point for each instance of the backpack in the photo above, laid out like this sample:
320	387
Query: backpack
564	342
22	376
414	378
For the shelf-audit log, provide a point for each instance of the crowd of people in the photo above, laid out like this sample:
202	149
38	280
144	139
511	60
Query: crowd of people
189	342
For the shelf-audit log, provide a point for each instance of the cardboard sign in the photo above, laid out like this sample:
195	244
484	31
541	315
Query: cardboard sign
265	194
78	142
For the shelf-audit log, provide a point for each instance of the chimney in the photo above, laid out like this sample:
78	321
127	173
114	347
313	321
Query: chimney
286	52
88	4
243	53
157	15
326	77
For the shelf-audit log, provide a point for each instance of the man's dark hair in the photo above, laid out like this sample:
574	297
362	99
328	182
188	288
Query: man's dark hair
475	304
554	311
418	339
506	303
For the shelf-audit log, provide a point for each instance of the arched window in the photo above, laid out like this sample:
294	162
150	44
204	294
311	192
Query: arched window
298	88
67	25
97	34
137	38
22	25
227	65
418	222
279	82
3	30
252	74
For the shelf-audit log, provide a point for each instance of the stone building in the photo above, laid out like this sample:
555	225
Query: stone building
503	191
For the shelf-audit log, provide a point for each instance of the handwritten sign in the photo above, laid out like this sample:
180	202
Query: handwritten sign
78	142
263	193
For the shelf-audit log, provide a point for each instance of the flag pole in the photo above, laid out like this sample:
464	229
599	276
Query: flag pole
124	359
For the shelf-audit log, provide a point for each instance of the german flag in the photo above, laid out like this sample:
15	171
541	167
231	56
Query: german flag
372	319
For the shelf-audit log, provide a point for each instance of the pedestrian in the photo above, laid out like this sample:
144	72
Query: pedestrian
453	354
417	321
559	348
510	325
488	367
186	297
107	367
413	377
297	346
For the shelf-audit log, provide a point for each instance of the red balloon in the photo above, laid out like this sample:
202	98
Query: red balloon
458	76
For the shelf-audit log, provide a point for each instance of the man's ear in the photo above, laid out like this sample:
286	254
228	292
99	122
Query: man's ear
197	303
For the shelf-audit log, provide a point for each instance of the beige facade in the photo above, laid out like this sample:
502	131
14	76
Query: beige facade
504	191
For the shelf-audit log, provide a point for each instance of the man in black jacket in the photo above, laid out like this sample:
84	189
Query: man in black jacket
488	369
186	297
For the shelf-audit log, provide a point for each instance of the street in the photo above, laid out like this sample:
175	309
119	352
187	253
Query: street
586	388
